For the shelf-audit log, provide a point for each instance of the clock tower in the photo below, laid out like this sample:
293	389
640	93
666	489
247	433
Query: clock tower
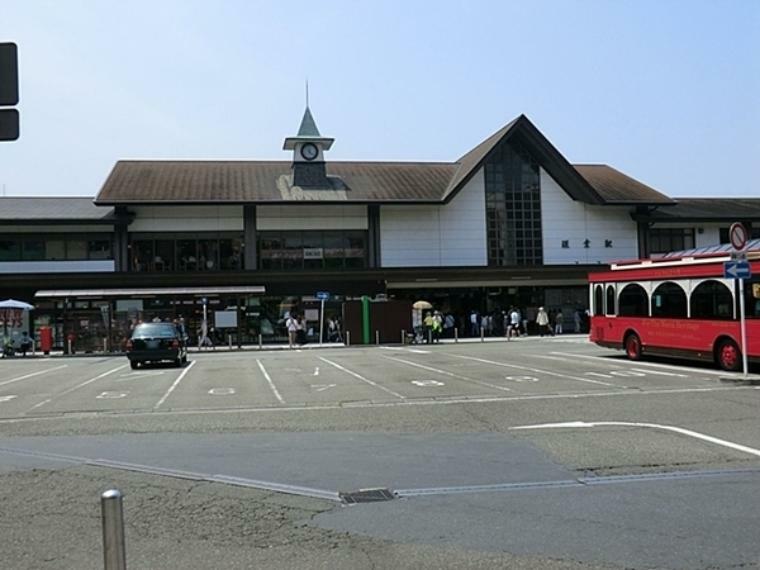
308	148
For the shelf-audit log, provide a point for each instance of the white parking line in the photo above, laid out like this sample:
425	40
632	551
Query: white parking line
447	373
549	372
269	380
25	376
82	385
174	385
682	431
654	364
362	378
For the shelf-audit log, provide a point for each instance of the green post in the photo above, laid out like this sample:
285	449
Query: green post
365	319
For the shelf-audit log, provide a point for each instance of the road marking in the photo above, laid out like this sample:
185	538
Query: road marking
25	376
660	373
362	378
173	386
427	383
418	351
447	373
111	395
143	374
599	374
521	378
76	416
322	387
316	371
269	380
628	373
7	398
82	385
221	391
565	376
676	429
651	364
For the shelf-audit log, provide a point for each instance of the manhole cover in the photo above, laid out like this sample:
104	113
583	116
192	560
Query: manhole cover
366	496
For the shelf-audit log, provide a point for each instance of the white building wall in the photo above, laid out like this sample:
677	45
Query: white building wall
452	234
187	218
308	217
562	219
83	266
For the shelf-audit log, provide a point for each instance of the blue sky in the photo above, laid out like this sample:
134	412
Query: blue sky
666	91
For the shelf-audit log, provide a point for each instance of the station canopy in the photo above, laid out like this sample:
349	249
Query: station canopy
148	292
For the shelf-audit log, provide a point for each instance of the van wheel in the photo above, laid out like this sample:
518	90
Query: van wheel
632	346
133	364
728	356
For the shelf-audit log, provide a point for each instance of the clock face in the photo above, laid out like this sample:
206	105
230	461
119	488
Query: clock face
309	151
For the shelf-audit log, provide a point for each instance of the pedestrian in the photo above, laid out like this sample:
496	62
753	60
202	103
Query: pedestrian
577	321
542	320
427	323
437	326
474	324
558	321
514	322
291	323
448	325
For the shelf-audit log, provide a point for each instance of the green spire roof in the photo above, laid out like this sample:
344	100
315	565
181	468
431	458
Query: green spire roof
308	127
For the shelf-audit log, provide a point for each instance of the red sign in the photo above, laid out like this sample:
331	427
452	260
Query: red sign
737	234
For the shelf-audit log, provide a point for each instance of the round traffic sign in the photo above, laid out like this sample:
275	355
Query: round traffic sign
737	234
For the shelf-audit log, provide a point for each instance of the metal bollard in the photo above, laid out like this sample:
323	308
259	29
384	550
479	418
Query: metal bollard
229	341
403	337
482	334
348	338
377	337
112	513
430	336
259	341
105	344
69	342
456	334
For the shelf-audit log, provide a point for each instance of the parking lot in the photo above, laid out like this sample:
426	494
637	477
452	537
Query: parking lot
389	375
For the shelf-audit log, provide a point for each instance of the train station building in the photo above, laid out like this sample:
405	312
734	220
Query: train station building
511	222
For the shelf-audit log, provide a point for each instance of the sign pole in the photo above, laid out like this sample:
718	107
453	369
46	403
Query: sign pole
743	325
321	320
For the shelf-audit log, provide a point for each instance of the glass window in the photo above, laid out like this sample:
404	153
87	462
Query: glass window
55	249
10	250
752	298
665	240
312	250
163	257
711	300
633	301
142	255
598	300
187	254
76	249
669	300
513	207
99	249
208	255
230	253
610	299
34	250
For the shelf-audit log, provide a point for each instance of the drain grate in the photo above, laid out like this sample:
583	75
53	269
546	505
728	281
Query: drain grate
367	496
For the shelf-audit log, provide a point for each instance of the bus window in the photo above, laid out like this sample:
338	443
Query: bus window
752	298
633	301
598	300
669	300
610	299
711	300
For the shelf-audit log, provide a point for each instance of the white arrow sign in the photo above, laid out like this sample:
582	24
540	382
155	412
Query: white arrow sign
221	391
7	398
111	395
427	383
322	387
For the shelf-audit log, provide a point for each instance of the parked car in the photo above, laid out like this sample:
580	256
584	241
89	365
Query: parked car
156	342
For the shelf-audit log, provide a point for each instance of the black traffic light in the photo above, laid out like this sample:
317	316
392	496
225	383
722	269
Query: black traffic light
9	123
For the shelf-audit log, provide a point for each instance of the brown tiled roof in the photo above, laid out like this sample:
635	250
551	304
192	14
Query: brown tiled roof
59	208
257	181
617	188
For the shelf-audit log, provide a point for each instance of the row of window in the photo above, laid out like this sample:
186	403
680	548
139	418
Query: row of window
312	250
59	247
186	253
710	299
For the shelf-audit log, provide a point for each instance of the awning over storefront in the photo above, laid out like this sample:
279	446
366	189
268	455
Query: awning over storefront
148	292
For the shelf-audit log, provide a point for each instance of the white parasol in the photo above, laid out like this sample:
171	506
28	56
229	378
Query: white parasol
422	305
18	305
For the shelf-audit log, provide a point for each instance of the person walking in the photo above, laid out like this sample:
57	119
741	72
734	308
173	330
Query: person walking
542	320
558	321
474	324
514	322
427	323
437	326
292	325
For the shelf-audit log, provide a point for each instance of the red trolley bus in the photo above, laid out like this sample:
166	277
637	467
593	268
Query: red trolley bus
677	305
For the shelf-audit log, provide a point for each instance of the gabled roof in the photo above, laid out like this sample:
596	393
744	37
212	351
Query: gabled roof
539	146
59	209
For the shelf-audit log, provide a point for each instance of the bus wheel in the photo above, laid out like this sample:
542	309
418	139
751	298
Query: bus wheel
729	356
633	346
